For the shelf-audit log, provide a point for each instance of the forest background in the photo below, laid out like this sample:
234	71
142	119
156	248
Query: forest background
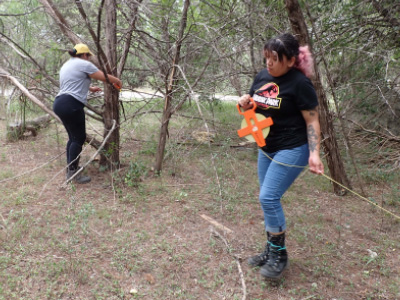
172	209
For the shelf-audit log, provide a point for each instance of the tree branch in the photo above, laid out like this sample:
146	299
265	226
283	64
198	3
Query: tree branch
21	51
24	90
132	26
19	15
93	34
59	19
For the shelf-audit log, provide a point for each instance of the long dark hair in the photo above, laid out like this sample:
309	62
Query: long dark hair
287	45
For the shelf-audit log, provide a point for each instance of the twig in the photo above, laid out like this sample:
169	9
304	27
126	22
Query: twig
4	221
62	170
381	134
32	170
216	224
22	14
386	101
237	262
98	233
93	156
207	128
94	129
309	297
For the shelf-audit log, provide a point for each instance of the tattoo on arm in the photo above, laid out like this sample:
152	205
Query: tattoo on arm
312	138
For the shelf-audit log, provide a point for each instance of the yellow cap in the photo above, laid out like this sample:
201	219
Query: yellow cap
82	48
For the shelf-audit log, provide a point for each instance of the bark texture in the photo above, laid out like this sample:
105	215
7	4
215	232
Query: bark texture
111	96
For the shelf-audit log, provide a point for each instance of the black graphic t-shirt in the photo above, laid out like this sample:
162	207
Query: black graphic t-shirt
283	98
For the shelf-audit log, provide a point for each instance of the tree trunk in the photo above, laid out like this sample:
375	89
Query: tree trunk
111	96
329	142
170	90
250	11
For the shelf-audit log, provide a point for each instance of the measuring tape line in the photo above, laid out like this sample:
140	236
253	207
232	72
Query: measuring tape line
331	179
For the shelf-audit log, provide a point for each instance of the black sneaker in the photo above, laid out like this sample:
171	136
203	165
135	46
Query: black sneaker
79	178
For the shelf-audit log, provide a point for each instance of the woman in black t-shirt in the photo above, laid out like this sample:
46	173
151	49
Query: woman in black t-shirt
283	92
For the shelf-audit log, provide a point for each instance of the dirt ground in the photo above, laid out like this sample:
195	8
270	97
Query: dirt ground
185	234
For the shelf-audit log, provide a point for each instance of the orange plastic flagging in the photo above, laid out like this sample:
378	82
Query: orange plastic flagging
254	126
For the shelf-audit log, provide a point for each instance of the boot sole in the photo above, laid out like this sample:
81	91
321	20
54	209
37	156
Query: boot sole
255	266
268	276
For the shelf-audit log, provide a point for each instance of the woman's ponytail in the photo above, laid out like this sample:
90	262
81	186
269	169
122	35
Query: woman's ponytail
305	62
287	45
72	52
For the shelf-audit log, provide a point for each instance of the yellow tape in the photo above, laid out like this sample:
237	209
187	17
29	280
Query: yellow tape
331	179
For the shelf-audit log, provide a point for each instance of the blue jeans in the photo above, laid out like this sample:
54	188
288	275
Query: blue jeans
275	179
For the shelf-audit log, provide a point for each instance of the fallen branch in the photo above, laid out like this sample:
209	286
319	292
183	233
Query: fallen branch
216	224
24	90
15	131
91	114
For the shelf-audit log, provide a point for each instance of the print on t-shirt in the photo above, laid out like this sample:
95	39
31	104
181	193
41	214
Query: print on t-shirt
267	96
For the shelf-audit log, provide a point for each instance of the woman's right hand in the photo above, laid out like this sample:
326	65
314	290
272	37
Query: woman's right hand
244	102
119	83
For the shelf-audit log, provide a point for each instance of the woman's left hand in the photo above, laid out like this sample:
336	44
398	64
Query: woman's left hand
315	164
95	89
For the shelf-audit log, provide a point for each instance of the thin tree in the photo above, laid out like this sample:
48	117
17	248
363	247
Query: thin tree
111	96
170	86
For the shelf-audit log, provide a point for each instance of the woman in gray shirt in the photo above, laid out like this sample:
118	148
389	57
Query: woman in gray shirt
75	79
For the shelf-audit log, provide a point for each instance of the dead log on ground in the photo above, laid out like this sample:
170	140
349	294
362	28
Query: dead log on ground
16	131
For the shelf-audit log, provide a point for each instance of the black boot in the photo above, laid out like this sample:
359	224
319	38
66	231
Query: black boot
79	178
260	259
277	257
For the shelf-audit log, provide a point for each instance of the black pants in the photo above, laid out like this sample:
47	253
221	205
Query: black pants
71	113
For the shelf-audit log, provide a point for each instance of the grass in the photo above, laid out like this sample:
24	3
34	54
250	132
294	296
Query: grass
132	235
